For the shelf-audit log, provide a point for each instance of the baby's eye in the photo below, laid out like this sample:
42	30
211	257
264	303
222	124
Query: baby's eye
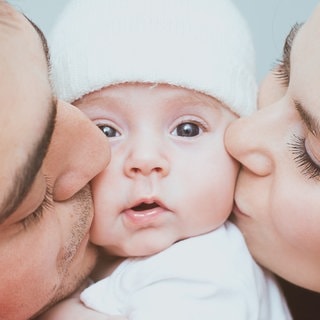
109	131
187	129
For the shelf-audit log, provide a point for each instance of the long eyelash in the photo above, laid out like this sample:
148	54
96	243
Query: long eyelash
303	160
36	216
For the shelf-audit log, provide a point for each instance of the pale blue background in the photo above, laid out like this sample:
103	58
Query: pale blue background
269	20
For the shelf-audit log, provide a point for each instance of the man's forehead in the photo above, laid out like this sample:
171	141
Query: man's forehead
14	26
10	22
25	97
6	9
9	17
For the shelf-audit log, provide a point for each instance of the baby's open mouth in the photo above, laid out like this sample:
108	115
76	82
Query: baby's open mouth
145	213
145	206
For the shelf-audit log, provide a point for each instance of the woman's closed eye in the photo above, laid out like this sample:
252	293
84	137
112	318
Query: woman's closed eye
303	159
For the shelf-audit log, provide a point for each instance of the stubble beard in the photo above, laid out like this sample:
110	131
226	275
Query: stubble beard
72	279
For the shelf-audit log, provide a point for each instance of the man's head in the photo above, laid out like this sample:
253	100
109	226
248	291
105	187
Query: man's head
45	203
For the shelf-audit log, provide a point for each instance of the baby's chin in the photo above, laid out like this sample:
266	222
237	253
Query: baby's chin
145	248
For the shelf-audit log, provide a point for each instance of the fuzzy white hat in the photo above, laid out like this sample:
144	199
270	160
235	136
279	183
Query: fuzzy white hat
203	45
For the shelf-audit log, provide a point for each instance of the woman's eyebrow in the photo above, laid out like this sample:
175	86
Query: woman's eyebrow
288	46
310	121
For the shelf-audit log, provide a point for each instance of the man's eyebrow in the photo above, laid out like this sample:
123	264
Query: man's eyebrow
26	174
310	121
42	38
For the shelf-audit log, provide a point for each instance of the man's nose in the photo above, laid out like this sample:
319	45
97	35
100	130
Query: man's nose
78	152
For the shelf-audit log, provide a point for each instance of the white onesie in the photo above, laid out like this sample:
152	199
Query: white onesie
211	276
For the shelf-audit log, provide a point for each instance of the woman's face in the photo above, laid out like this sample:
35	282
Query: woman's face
277	198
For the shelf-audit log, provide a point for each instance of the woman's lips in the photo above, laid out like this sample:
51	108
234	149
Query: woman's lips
237	212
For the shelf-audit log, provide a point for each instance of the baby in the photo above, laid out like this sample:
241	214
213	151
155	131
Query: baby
163	80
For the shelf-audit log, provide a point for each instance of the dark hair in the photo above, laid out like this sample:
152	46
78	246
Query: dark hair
42	38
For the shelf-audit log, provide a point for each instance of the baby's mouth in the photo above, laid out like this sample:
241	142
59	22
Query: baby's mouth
145	206
145	213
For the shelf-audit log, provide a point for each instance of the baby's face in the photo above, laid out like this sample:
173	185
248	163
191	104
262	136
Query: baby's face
170	176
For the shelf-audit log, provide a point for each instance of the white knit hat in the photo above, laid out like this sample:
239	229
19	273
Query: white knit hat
203	45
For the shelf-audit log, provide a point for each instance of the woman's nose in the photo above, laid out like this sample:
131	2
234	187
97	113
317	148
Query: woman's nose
146	158
249	140
78	152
